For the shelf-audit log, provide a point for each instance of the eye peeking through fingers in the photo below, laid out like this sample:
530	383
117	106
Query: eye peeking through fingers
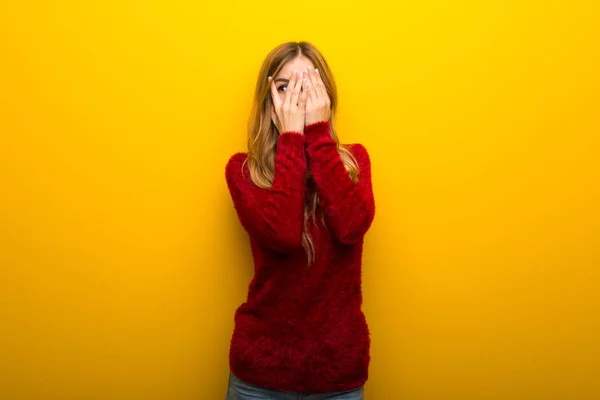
284	87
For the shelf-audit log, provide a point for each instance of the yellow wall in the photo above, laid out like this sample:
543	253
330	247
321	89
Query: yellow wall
121	257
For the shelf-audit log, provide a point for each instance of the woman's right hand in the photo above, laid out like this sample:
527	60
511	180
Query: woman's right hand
289	114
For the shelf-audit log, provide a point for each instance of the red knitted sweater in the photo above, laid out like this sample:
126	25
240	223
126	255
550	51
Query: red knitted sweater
302	328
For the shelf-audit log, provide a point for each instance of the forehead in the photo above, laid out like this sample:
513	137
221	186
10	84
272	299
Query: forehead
297	63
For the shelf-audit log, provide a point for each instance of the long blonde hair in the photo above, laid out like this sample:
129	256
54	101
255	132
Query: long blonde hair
262	133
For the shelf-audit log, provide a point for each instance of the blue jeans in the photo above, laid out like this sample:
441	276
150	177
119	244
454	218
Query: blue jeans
240	390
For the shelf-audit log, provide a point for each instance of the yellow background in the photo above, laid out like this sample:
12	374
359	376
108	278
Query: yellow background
121	257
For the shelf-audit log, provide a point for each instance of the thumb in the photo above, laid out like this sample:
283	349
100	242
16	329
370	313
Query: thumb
274	115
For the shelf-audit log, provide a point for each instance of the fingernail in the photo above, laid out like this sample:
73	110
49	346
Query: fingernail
269	79
317	70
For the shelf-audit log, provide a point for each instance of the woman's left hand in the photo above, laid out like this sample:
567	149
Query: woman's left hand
318	105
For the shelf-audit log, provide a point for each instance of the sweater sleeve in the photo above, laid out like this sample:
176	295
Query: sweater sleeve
273	216
349	207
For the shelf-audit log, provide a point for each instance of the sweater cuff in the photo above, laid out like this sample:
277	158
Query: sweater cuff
292	142
319	125
316	130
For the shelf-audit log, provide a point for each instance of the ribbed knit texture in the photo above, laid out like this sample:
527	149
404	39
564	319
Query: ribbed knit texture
302	328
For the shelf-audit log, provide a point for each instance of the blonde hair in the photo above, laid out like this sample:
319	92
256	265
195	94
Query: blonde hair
262	133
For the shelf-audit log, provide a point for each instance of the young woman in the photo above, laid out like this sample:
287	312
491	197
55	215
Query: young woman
306	202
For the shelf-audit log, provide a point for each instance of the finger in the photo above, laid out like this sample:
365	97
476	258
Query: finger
296	91
321	90
274	95
303	95
312	96
313	82
305	84
288	92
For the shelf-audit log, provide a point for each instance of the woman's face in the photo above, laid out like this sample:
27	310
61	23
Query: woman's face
299	64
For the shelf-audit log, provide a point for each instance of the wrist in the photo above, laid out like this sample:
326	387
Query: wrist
292	132
292	129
